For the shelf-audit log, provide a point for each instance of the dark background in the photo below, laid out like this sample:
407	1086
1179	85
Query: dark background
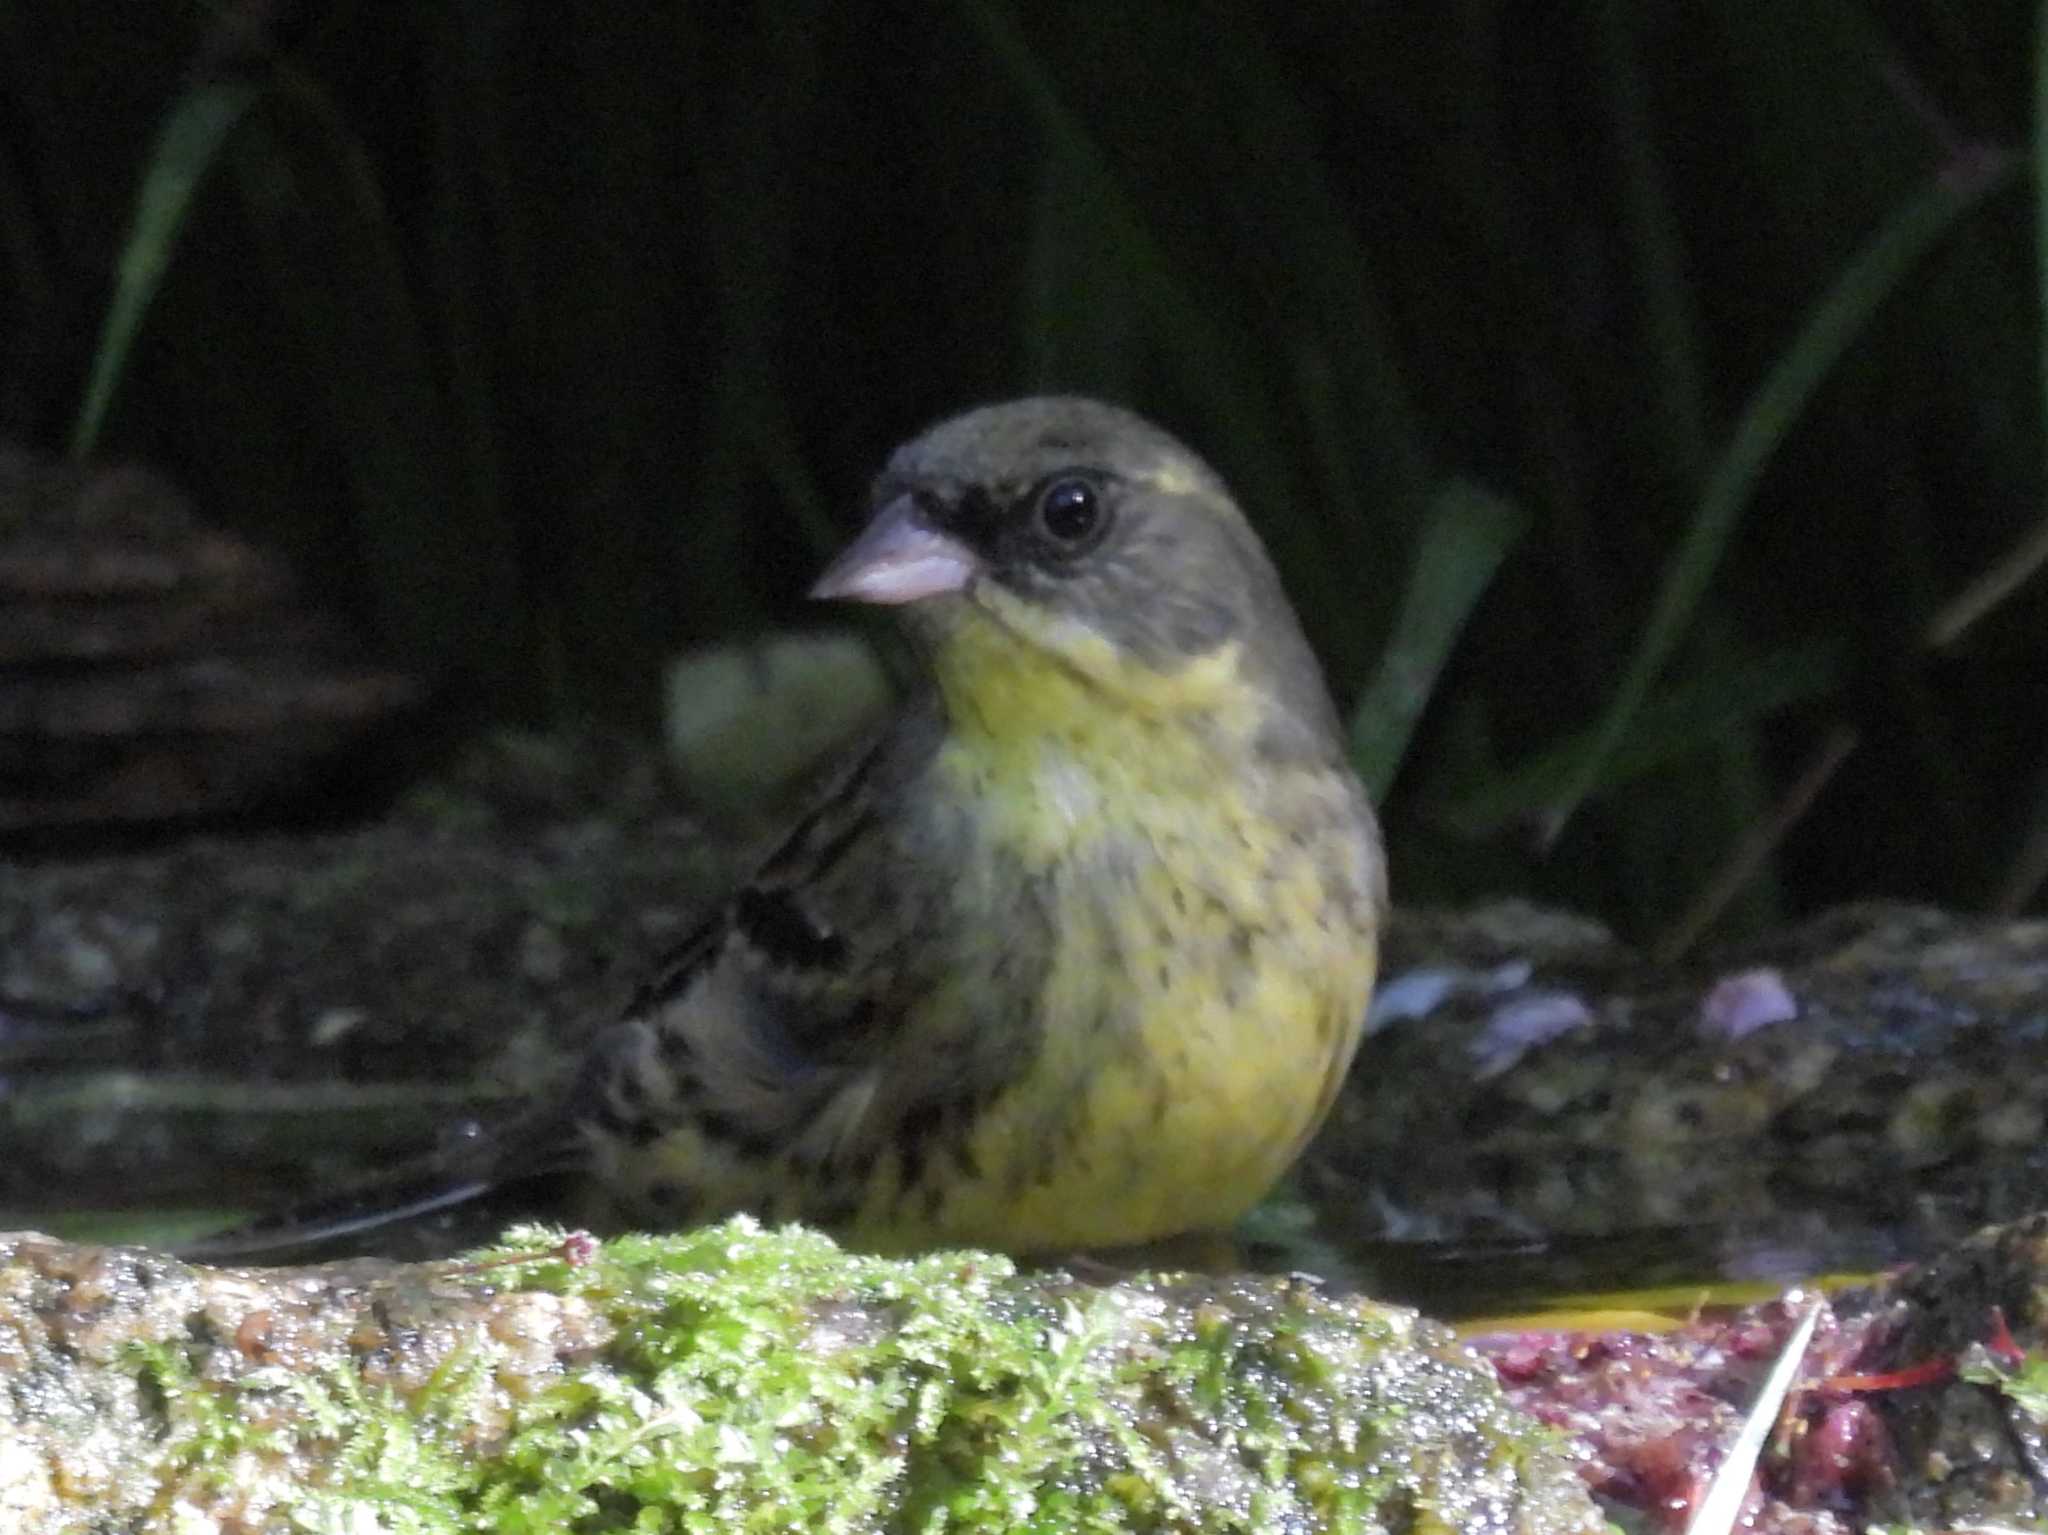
1678	366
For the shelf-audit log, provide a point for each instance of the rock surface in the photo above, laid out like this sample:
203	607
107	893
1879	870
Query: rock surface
1919	1403
154	668
1861	1089
732	1374
738	1379
245	1020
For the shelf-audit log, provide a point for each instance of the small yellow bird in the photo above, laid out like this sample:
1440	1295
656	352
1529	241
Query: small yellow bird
1075	955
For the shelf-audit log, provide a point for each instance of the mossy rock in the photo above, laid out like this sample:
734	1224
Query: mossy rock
737	1379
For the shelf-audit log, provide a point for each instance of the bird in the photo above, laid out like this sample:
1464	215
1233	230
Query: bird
1073	954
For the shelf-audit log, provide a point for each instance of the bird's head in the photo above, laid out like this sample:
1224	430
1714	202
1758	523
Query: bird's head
1075	537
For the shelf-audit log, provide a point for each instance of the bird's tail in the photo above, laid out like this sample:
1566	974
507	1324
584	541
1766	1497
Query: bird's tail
472	1161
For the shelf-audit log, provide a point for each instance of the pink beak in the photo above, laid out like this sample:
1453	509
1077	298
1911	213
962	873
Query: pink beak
898	558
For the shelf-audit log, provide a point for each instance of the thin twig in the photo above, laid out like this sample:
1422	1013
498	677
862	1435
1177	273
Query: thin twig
2028	873
2004	576
1914	95
1756	845
1722	1506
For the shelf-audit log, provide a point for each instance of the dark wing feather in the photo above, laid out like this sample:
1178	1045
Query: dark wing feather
792	987
773	915
811	950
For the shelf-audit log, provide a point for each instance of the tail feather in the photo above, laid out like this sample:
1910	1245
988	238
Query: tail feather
329	1219
442	1180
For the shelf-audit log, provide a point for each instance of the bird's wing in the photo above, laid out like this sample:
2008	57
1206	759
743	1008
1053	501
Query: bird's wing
777	1024
821	924
792	999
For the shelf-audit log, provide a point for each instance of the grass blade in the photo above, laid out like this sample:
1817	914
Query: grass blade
2040	169
754	209
1080	303
437	549
2027	871
187	148
2012	570
1296	385
1670	323
1771	414
1689	718
1199	347
1467	533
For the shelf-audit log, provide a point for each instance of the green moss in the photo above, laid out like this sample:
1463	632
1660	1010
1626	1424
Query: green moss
736	1379
2026	1387
326	1451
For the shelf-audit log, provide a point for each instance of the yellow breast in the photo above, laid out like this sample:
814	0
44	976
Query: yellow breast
1183	1068
1214	951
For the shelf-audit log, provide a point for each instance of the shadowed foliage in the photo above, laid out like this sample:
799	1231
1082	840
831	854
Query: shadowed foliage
1629	396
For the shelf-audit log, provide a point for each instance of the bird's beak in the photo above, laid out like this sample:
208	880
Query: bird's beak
898	558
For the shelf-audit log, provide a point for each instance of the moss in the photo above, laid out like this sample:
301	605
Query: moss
736	1379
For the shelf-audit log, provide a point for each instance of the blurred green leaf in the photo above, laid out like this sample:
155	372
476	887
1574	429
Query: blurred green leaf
553	349
2026	1386
1189	330
1998	583
1081	304
1693	717
752	207
124	1228
474	281
439	550
1261	310
1466	533
1678	399
1772	412
2040	174
186	150
2027	870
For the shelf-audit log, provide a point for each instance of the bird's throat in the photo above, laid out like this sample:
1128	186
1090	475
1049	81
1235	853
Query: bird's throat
1011	669
1062	743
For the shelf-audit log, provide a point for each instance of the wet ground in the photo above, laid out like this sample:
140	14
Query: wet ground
221	1024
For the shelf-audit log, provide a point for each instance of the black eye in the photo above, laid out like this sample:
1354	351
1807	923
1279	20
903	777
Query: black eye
1070	510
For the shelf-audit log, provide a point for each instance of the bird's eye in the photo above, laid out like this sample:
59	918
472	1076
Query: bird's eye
1071	511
